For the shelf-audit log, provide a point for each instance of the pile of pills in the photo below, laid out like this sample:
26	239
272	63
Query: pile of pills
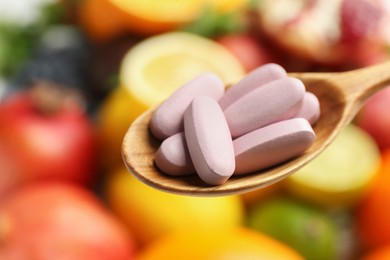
263	120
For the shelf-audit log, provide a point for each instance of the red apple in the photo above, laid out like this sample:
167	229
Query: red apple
359	19
246	49
375	119
45	135
60	221
336	32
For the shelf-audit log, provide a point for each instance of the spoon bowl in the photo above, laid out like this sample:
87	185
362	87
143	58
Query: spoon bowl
341	95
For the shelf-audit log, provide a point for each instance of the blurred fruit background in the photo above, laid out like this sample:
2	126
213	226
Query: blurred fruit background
74	74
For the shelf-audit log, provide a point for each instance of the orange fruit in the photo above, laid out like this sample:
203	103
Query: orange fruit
152	17
237	243
150	213
373	216
378	254
105	18
99	19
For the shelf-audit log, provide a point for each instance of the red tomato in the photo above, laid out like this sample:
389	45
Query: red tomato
374	118
35	144
60	221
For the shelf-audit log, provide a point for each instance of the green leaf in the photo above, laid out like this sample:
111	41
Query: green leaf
212	24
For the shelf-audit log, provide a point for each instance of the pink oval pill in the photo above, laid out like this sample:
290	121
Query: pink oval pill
254	79
310	108
275	101
167	120
272	144
173	157
209	141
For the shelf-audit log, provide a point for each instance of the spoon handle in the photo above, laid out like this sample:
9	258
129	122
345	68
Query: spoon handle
358	85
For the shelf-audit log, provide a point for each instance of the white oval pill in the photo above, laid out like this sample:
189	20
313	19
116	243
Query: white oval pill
310	108
275	101
167	120
173	157
254	79
209	140
272	144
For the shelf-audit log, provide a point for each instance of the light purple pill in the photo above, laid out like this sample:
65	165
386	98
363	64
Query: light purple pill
209	141
272	144
310	108
173	158
275	101
253	80
167	120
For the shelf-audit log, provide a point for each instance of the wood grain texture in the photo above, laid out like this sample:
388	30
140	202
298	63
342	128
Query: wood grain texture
341	96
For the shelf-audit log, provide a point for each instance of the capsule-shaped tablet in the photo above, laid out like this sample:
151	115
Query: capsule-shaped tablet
167	120
209	141
310	108
275	101
272	144
254	79
173	157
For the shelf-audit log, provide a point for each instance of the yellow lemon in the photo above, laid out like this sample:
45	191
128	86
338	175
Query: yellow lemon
150	213
254	197
151	71
342	173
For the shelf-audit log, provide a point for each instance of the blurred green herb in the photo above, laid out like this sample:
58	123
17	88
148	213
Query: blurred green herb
213	24
52	14
253	4
112	81
18	42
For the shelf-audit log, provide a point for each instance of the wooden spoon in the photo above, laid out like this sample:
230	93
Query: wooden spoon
341	96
